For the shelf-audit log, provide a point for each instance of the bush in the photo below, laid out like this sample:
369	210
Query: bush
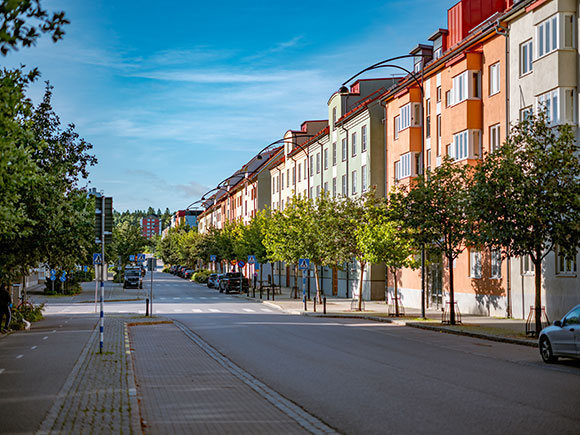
201	276
62	288
31	313
166	269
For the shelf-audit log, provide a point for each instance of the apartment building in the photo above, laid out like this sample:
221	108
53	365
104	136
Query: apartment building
150	226
542	38
454	107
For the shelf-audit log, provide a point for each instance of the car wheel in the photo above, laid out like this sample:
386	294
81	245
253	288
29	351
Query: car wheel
546	351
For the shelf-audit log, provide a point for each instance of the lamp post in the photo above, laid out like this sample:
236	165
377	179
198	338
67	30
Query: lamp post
386	64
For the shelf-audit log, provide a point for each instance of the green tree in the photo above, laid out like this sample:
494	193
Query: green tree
435	208
127	240
526	195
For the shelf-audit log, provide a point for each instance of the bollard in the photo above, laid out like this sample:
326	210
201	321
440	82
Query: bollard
273	292
254	292
147	307
305	306
260	293
314	304
268	294
324	305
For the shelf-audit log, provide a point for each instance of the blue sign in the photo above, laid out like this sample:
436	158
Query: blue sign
257	266
140	257
212	258
131	258
63	277
85	268
304	264
241	264
97	259
251	259
52	277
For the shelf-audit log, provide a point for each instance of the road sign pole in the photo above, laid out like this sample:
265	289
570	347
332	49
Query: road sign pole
151	290
304	290
102	326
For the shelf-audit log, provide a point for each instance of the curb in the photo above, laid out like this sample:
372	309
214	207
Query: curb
135	409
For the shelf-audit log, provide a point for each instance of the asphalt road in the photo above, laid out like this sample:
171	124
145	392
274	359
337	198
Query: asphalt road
360	376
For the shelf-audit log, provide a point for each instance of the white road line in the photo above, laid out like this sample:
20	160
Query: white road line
45	338
177	298
2	371
213	310
177	310
161	298
266	310
203	297
248	310
33	347
189	298
123	311
215	297
196	310
19	356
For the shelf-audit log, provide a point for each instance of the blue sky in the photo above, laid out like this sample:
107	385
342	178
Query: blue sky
176	97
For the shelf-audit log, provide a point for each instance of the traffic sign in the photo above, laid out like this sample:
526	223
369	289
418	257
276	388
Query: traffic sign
52	277
251	259
63	277
97	259
241	263
234	262
85	268
257	266
140	257
304	264
131	258
212	258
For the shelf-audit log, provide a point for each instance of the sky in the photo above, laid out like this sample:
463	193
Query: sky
176	97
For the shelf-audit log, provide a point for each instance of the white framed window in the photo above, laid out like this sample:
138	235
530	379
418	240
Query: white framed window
547	35
311	193
287	177
405	167
363	139
466	145
334	186
397	127
428	118
305	170
363	178
344	149
548	103
437	53
326	186
410	116
344	185
496	263
526	113
494	78
353	182
353	144
438	125
318	163
494	138
565	264
569	31
334	154
317	191
526	57
334	118
325	158
526	265
282	180
299	171
466	85
474	263
294	175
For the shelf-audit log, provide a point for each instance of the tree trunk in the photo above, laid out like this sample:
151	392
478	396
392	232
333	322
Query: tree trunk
318	296
538	282
451	292
360	284
394	272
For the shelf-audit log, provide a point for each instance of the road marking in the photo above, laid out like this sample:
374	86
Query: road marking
203	297
176	298
45	338
19	356
213	310
123	311
177	310
33	347
215	297
161	298
2	371
267	310
249	310
190	297
196	310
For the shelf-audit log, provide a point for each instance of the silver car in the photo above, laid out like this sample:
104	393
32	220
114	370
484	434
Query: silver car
562	338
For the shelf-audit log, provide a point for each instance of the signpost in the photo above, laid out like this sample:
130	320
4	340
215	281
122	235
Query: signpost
151	265
103	235
304	265
131	258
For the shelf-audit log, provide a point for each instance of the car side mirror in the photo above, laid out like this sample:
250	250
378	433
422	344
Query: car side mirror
558	323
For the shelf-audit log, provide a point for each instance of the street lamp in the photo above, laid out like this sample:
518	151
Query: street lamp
385	64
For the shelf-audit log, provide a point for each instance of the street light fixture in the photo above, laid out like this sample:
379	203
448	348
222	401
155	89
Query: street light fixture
385	64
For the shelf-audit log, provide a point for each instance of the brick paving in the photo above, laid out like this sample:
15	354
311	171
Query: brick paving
98	397
183	389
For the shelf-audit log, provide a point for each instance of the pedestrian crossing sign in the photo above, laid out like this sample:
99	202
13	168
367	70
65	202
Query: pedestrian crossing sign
140	257
304	264
251	259
97	259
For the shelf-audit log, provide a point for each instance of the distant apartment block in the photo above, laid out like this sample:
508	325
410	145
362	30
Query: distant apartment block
150	226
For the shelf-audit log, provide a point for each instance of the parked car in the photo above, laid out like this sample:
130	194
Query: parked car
174	268
132	277
218	278
231	282
188	273
181	270
561	339
211	280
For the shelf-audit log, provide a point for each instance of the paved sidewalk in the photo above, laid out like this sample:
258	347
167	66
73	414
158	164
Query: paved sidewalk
486	327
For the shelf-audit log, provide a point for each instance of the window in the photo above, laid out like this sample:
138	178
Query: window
403	168
397	126
326	158
526	113
318	163
334	118
527	265
565	264
496	263
547	36
334	154
437	53
311	192
573	318
353	182
282	205
344	185
568	30
305	165
465	85
363	139
474	263
448	100
494	138
363	178
428	118
438	94
466	145
526	57
287	177
326	186
459	91
344	149
548	102
310	172
353	144
410	116
494	79
317	191
438	135
282	180
294	175
460	145
274	185
299	171
334	186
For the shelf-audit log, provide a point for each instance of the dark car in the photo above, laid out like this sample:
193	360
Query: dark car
188	273
231	282
174	268
182	270
211	280
132	277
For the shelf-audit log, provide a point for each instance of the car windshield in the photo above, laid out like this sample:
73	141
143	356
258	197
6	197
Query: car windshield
131	273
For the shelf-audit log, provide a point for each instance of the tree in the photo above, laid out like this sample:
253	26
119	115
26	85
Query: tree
435	208
381	239
526	195
23	22
127	240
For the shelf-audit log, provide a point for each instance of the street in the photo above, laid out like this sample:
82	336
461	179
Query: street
356	376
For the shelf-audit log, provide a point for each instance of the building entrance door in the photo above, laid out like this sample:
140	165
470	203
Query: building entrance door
435	286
